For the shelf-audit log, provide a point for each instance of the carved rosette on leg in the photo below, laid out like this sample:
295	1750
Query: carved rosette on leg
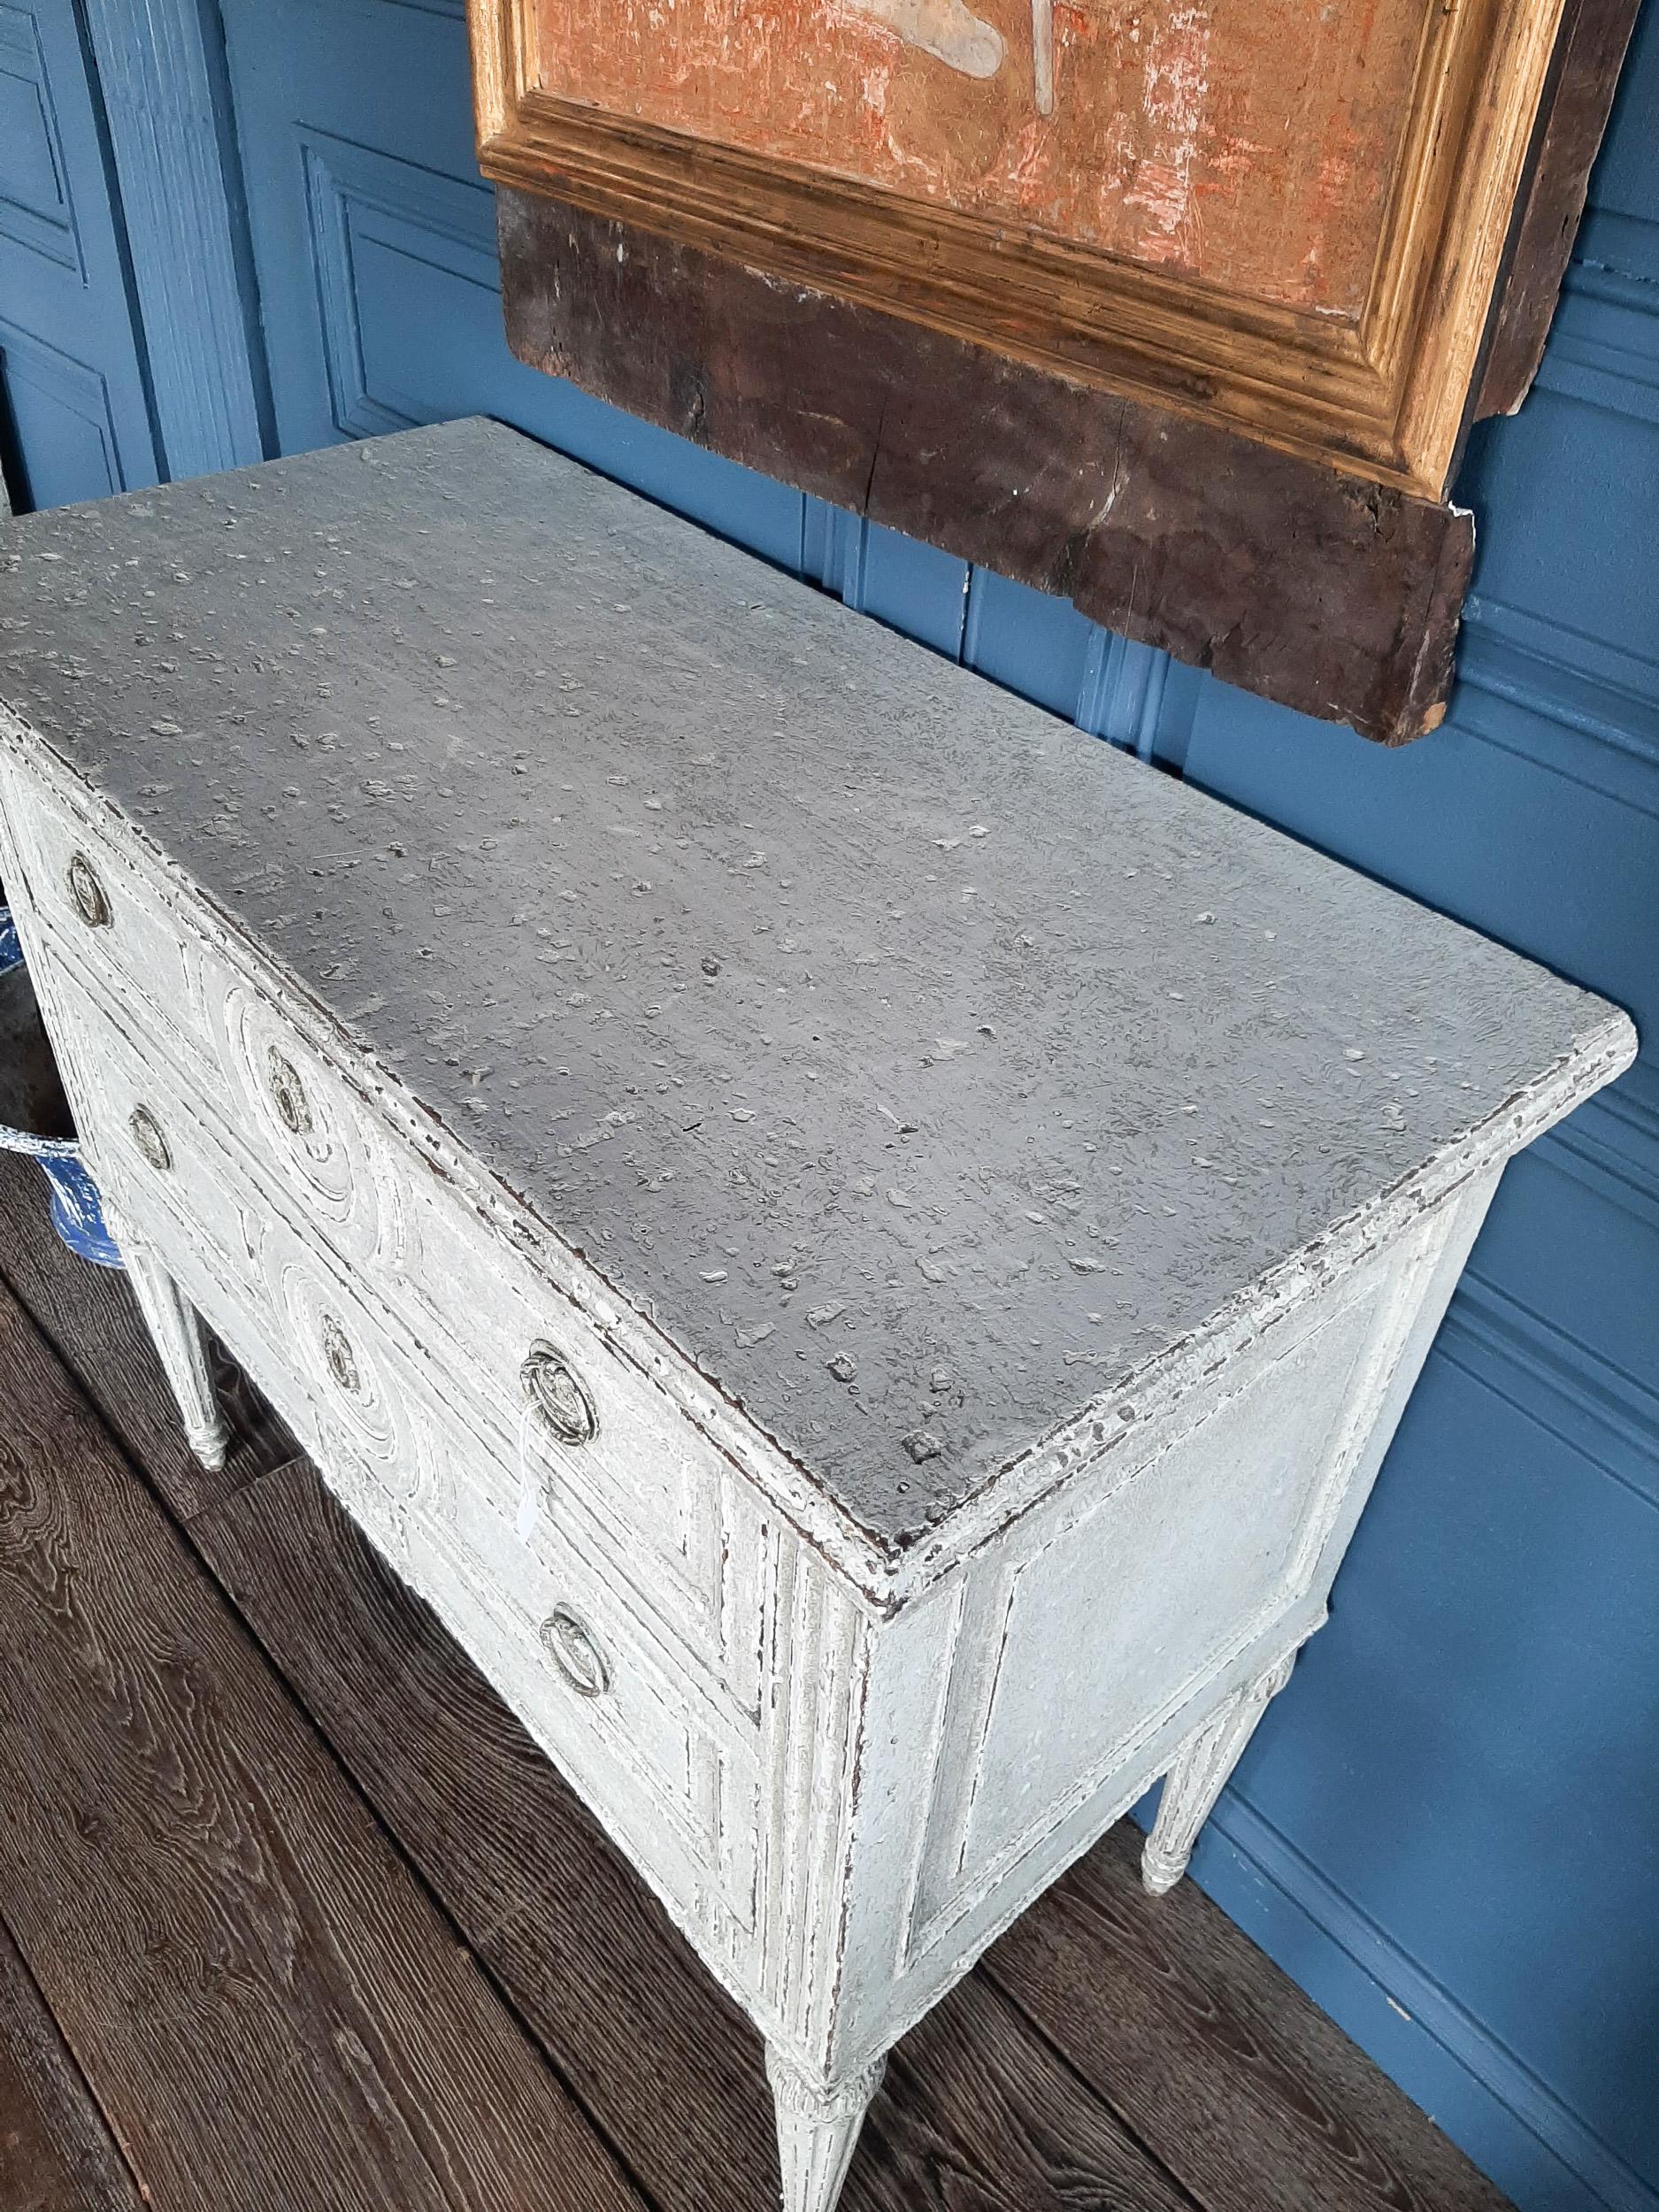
1200	1774
818	2130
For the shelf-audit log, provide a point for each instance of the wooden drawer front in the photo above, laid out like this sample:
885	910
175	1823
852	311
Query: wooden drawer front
109	916
653	1493
585	1440
112	921
147	1143
665	1764
584	1431
316	1347
671	1779
372	1394
664	1761
311	1130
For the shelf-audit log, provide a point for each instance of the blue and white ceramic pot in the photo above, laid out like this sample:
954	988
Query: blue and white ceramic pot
35	1118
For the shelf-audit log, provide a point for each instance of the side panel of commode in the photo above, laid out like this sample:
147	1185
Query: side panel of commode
1011	1714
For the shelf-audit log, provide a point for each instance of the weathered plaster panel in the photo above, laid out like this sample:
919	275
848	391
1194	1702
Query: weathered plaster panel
1252	146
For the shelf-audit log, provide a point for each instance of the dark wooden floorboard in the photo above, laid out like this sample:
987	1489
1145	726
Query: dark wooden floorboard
55	2153
271	2010
981	2114
186	1853
1218	2061
645	2036
88	1315
977	2114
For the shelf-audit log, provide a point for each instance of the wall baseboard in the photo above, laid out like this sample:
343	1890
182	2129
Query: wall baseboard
1492	2106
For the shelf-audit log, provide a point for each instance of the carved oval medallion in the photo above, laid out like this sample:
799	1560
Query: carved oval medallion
288	1093
338	1357
147	1135
322	1139
86	894
559	1395
571	1645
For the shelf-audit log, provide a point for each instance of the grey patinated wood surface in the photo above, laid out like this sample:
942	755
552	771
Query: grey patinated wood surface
924	1068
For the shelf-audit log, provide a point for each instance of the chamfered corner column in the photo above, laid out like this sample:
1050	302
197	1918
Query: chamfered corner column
818	2130
1200	1774
175	1329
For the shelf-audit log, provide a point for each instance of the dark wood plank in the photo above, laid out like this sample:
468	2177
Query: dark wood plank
978	2114
586	1953
271	2010
55	2153
1221	2065
1589	54
1322	590
88	1315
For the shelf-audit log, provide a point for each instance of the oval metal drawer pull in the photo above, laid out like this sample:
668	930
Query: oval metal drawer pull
147	1135
559	1394
568	1642
338	1356
287	1095
87	895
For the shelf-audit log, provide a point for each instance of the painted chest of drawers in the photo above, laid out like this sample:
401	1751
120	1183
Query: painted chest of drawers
862	1250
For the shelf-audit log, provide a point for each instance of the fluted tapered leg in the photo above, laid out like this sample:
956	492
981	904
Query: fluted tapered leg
175	1329
1200	1774
818	2130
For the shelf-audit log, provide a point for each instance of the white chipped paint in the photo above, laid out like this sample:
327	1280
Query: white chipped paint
1175	91
945	28
1042	54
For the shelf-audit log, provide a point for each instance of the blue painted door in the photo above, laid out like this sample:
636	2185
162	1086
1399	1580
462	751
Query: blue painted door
75	416
1449	1826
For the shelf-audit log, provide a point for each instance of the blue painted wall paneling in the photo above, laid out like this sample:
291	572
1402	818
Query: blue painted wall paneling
74	412
1448	1827
160	71
1463	1796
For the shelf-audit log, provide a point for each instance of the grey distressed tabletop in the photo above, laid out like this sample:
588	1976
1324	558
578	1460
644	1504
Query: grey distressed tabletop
921	1066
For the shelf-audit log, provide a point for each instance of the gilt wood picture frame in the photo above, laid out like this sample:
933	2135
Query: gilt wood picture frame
1275	239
